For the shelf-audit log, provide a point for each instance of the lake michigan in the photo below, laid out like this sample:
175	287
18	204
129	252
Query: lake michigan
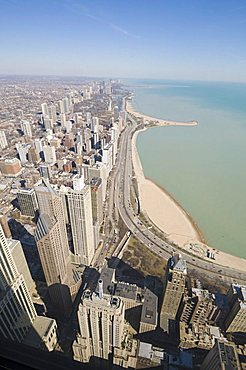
203	167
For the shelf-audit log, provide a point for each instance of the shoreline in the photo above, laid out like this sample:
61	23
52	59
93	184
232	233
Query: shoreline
178	225
157	121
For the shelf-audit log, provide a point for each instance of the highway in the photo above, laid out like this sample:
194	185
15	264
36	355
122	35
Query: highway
120	197
118	201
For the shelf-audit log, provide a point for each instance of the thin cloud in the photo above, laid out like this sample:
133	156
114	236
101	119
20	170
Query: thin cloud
85	11
119	29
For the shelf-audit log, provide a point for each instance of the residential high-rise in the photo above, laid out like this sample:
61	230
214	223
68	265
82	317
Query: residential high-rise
96	200
27	201
3	140
44	108
235	321
26	128
52	243
33	155
17	312
199	307
222	356
174	286
22	150
38	144
99	170
18	256
54	262
80	217
49	154
5	226
45	170
52	113
18	318
101	323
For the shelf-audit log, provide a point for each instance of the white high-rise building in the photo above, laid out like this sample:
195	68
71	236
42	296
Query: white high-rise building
52	113
95	125
66	104
80	215
61	107
38	144
49	154
26	128
101	323
99	170
107	157
22	150
45	110
3	140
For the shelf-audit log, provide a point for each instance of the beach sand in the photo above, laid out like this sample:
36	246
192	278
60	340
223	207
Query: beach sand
157	121
170	217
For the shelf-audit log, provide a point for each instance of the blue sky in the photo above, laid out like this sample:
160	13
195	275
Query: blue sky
174	39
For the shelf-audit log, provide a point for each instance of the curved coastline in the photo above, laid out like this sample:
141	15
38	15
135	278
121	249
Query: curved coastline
179	225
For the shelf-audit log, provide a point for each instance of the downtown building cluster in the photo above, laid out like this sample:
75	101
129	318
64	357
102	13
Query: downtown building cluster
54	170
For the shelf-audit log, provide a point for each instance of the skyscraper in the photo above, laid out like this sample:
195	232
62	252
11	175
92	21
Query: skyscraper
101	323
96	200
26	128
27	201
49	153
55	265
22	150
17	312
18	318
3	140
44	108
235	321
174	286
52	242
222	356
80	216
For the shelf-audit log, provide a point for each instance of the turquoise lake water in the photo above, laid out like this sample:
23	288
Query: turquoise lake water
204	166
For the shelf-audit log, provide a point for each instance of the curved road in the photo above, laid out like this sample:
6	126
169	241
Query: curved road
122	180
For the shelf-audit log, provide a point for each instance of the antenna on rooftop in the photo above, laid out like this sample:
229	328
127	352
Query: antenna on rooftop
100	288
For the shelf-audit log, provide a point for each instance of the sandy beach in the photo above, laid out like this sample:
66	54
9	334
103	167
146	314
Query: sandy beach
170	217
157	121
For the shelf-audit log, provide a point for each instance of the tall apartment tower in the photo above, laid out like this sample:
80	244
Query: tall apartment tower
3	140
5	226
222	356
101	323
99	170
27	201
17	312
97	200
55	265
80	217
44	108
26	128
49	153
52	243
236	318
174	286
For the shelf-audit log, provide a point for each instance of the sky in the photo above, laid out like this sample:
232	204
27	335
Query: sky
169	39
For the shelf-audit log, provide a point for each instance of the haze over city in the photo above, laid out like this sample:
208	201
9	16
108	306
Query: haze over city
203	40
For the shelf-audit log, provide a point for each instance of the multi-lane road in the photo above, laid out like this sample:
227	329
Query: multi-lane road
119	198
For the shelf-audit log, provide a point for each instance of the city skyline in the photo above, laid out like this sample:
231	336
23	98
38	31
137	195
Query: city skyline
191	40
